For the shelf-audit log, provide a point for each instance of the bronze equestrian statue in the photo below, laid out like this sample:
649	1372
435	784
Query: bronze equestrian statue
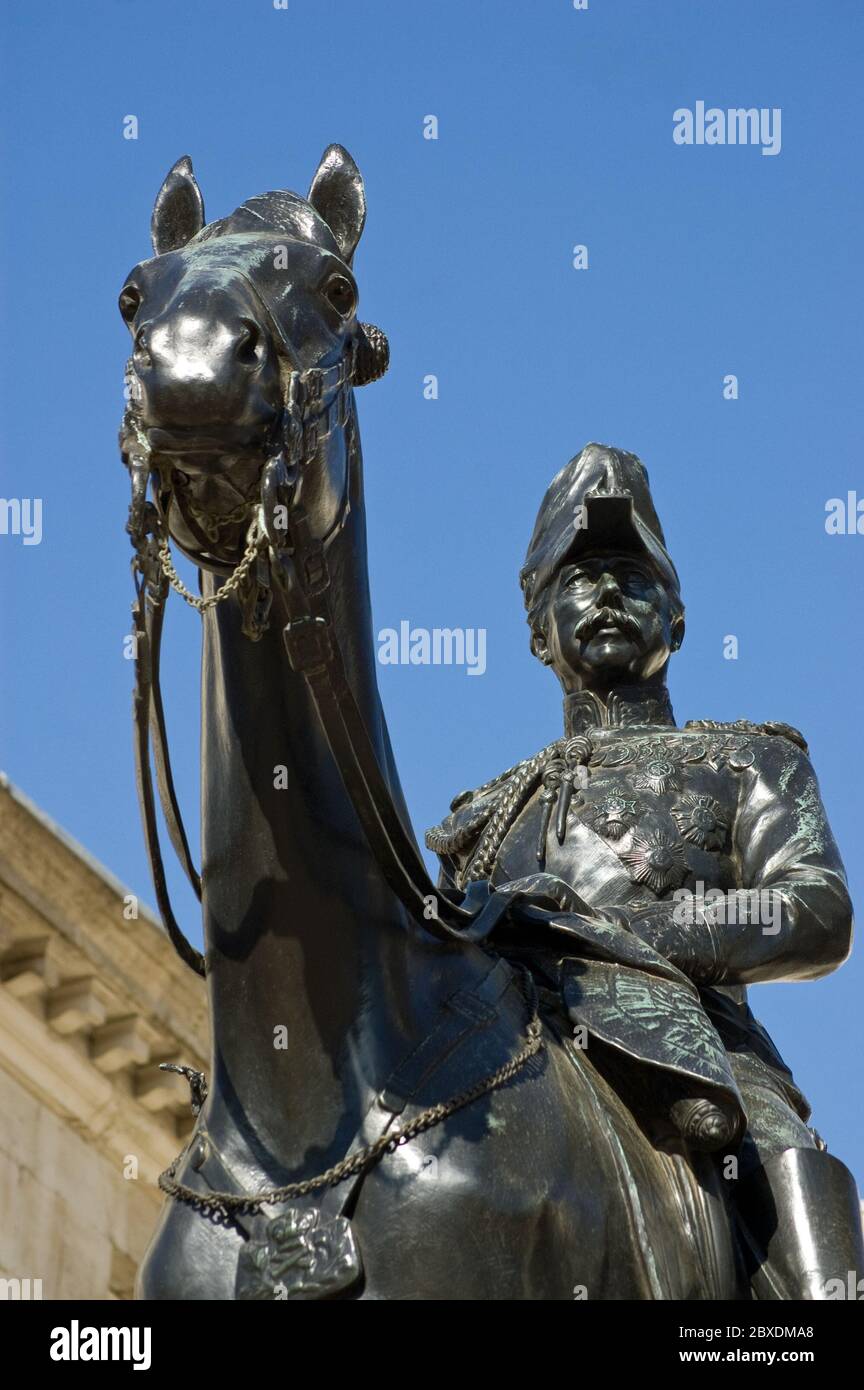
522	1083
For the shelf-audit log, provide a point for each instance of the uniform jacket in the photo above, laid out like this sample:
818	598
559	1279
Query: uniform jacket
709	843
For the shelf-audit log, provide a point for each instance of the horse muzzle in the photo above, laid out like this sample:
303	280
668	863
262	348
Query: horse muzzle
199	451
205	386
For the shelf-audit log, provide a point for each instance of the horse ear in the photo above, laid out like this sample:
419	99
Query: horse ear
336	192
178	213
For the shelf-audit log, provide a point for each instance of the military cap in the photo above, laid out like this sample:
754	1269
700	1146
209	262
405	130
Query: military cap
601	500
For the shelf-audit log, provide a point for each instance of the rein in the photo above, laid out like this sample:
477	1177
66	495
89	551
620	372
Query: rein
279	544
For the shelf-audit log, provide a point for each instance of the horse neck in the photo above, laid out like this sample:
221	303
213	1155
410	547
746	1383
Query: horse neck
308	953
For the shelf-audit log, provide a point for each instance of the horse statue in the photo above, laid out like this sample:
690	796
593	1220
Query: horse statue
391	1112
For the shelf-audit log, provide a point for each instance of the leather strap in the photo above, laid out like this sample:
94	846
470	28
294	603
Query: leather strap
142	706
155	618
314	650
462	1014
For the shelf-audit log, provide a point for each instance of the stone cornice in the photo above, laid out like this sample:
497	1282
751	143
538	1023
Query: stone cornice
91	1002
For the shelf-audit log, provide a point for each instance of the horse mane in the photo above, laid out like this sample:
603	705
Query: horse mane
280	211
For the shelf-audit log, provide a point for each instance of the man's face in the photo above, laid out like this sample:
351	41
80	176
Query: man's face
609	621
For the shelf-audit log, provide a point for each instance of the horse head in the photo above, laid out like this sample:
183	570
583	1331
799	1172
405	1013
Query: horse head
244	335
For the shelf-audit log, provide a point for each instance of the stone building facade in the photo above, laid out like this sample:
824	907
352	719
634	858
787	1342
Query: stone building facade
92	999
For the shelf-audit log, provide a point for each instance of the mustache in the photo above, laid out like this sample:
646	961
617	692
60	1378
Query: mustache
607	617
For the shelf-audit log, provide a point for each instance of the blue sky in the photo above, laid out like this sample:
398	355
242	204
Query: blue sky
555	128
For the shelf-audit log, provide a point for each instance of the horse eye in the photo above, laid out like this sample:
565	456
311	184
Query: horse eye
340	293
129	303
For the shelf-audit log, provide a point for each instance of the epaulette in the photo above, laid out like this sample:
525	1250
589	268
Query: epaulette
471	811
747	726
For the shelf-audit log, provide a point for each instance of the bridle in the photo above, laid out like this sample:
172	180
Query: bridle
316	402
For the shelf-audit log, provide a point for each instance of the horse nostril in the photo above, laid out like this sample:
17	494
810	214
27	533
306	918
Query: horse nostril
142	347
249	349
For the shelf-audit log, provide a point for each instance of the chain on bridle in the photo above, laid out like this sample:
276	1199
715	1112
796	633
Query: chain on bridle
366	359
316	402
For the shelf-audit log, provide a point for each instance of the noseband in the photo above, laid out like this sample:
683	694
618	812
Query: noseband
279	542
